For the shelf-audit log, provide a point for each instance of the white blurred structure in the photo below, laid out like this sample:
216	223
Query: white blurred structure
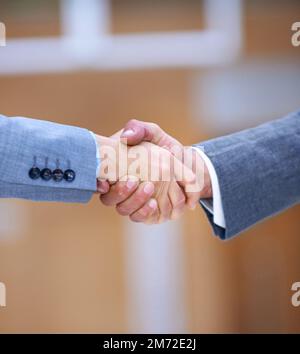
155	278
246	94
87	43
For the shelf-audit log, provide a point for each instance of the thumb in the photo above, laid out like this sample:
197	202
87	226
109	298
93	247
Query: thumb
134	132
102	186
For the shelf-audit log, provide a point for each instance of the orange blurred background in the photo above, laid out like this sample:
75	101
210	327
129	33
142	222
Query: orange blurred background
82	268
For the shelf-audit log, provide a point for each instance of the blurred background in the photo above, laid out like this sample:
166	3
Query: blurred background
199	69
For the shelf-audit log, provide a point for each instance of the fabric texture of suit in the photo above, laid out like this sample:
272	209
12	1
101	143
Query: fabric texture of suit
258	171
27	142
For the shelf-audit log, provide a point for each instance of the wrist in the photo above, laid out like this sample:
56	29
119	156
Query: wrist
202	175
108	155
104	141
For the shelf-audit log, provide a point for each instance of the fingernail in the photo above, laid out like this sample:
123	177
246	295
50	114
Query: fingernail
149	188
130	184
127	133
152	203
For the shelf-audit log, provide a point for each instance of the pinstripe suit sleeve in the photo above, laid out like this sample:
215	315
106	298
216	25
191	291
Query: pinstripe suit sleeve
258	171
25	141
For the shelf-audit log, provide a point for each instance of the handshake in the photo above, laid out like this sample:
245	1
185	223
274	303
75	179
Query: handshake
148	175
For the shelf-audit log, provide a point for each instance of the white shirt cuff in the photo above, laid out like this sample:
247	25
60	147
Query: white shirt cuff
214	205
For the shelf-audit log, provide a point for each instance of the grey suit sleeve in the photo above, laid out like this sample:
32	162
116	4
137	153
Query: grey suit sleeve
259	172
27	142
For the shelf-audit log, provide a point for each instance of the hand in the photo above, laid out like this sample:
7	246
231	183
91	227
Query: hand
170	180
135	132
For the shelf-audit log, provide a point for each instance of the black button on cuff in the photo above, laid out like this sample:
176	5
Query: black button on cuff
34	173
69	175
57	175
46	174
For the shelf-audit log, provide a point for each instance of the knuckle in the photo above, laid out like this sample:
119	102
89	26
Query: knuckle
132	121
144	212
121	190
141	198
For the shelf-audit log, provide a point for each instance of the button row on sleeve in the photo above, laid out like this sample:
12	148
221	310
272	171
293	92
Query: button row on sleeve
57	175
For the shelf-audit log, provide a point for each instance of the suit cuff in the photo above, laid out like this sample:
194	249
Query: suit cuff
213	205
25	145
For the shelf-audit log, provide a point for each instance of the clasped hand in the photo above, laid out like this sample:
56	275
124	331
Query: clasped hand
148	175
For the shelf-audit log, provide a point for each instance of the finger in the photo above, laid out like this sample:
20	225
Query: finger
165	210
188	181
193	192
119	192
136	131
138	199
192	200
164	203
144	214
102	186
154	217
177	199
